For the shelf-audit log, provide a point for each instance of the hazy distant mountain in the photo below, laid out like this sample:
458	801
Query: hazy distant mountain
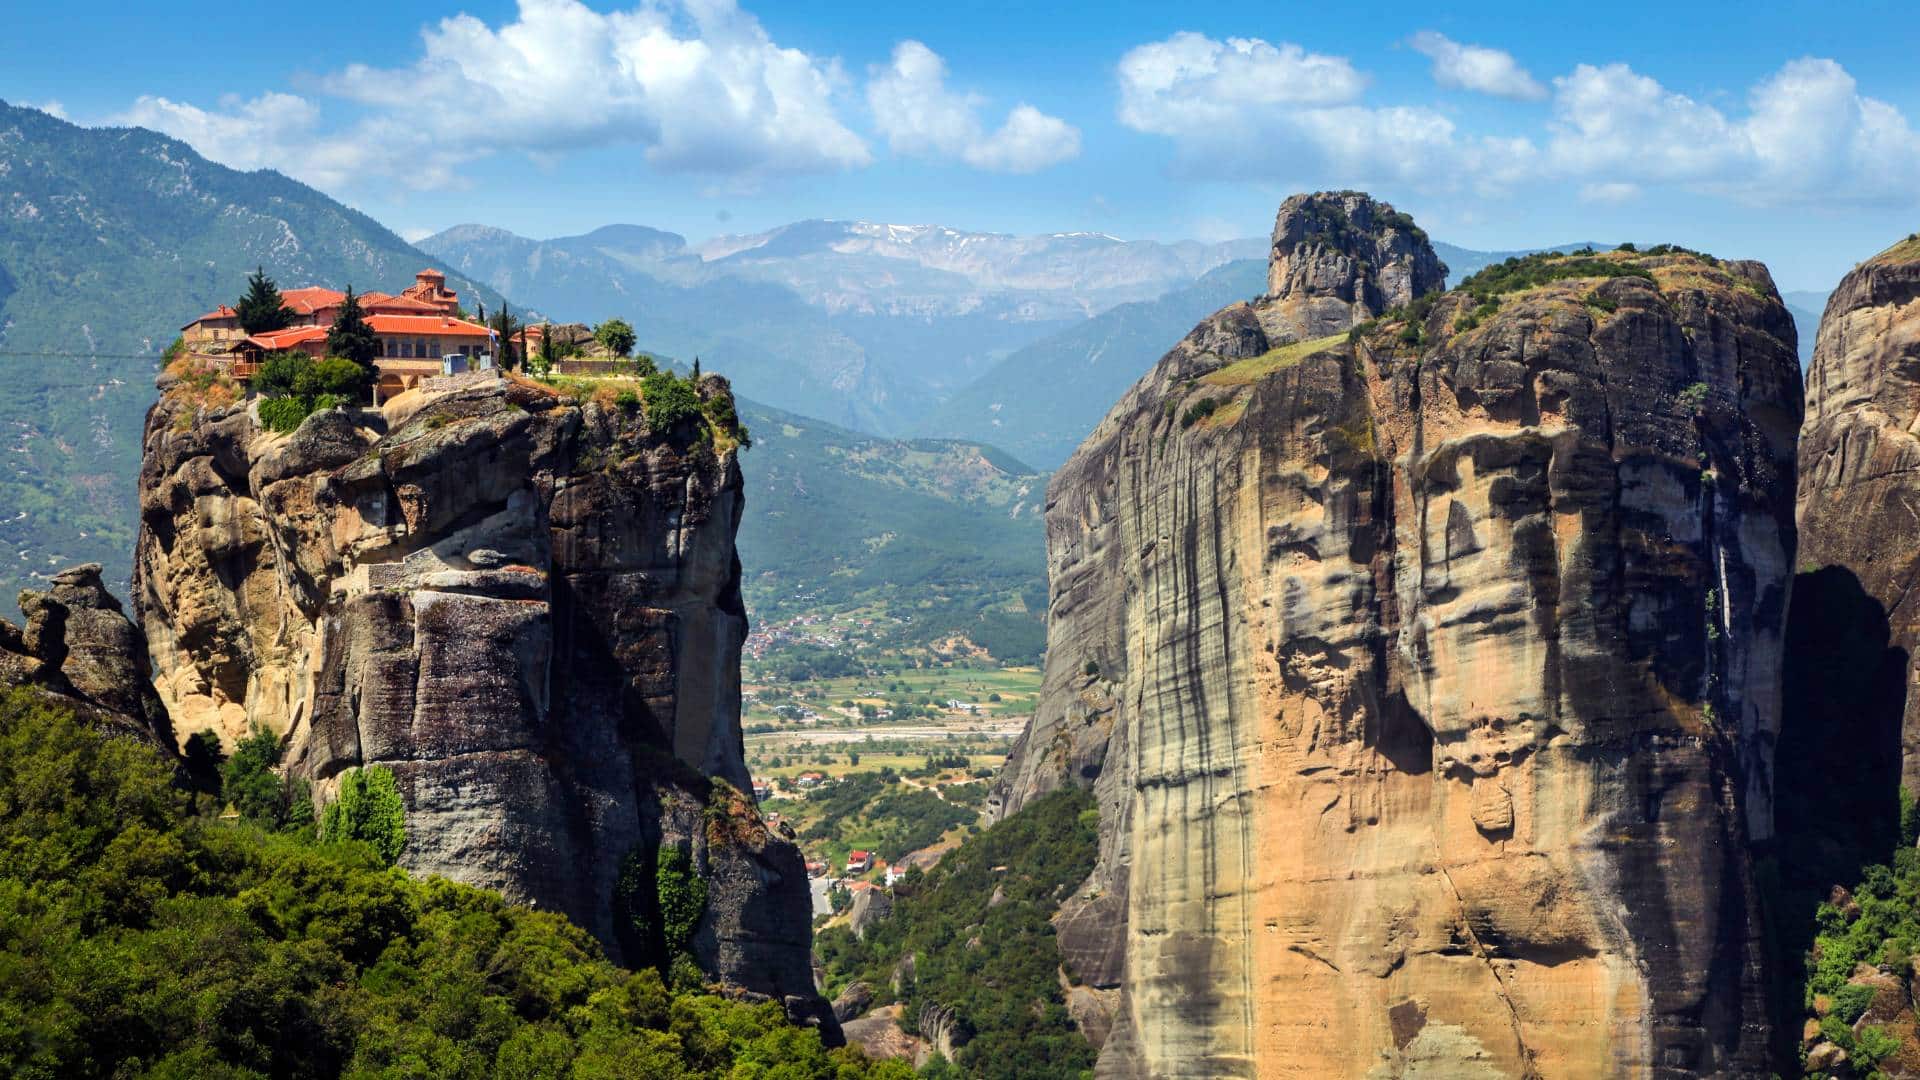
869	326
110	239
1042	400
946	531
1806	306
934	270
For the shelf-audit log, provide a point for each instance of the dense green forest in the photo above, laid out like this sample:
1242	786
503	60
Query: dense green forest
141	935
978	929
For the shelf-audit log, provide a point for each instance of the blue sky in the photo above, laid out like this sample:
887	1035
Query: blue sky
1783	131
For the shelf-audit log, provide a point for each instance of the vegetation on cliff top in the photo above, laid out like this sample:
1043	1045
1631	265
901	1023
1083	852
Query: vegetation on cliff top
977	928
141	936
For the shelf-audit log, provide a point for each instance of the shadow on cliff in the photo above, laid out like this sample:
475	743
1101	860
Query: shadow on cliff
1837	770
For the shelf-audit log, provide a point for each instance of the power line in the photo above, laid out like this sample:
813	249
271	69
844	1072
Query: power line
19	353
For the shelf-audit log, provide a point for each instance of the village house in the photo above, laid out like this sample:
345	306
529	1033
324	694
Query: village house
417	328
859	862
810	779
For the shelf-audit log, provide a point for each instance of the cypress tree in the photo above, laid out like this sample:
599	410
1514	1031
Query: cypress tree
350	338
262	309
504	326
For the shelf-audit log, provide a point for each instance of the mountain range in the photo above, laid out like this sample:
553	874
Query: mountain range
868	326
875	362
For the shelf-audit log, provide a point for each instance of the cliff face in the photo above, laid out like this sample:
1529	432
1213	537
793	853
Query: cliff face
527	607
1860	480
79	646
1427	678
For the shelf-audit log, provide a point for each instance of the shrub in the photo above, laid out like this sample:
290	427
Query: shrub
261	795
1850	1001
339	376
682	893
283	374
368	809
1528	271
1091	669
669	399
1199	411
1693	398
284	414
627	402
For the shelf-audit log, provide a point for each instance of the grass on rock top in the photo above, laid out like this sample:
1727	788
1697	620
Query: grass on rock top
1255	368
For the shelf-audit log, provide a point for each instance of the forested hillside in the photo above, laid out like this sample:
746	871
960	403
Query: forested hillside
143	935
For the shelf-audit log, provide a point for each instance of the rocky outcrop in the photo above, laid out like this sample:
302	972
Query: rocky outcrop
1402	664
80	648
1339	259
1860	480
527	606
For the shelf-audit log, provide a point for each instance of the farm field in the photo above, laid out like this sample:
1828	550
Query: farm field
895	762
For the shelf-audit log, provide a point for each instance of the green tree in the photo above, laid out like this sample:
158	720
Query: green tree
250	783
683	897
616	336
368	809
670	399
504	326
543	361
350	338
140	937
262	309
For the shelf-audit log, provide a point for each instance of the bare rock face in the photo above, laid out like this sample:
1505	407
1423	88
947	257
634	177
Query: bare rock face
80	648
527	607
1428	680
1340	258
1859	499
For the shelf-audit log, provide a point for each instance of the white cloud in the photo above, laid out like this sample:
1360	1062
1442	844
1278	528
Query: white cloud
918	115
272	131
1247	109
1170	87
1808	135
698	84
1477	68
51	108
1609	192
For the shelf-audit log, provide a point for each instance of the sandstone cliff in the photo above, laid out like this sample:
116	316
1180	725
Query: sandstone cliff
1427	674
80	647
1860	476
527	606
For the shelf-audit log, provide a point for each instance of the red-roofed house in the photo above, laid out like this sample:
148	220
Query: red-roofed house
417	328
859	862
220	324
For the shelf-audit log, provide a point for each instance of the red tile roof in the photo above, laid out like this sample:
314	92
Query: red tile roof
397	305
288	338
221	312
437	325
311	299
